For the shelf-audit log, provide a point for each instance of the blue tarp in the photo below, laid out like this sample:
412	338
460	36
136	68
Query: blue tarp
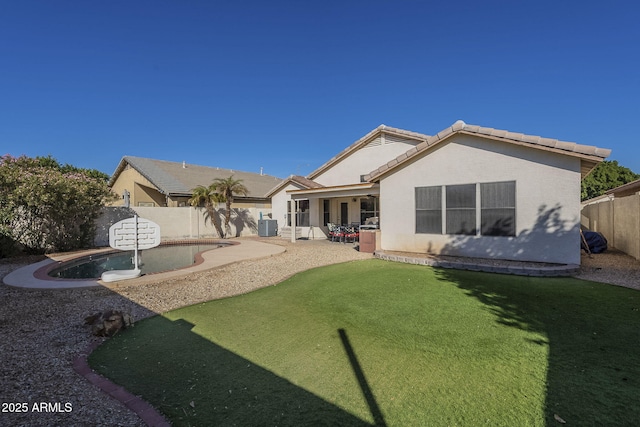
596	242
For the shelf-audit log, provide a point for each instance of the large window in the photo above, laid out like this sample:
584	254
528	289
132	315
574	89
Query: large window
429	210
461	209
496	209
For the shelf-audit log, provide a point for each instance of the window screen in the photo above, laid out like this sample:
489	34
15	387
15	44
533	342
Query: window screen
429	210
461	209
369	208
498	210
302	218
302	213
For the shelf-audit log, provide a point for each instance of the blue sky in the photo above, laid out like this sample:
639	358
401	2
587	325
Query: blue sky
287	85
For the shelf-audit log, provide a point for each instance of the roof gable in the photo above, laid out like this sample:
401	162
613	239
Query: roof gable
174	178
370	139
298	181
589	155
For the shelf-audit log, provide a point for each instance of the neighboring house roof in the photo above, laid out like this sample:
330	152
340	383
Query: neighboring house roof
298	181
380	130
590	156
625	189
179	179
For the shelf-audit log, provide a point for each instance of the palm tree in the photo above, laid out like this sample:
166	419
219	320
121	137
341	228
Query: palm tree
228	187
210	198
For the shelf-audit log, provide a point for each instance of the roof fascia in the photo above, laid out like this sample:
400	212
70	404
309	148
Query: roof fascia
333	192
133	165
629	186
117	172
344	153
411	155
529	145
421	150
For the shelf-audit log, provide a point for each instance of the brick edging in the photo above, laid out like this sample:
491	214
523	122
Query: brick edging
561	270
149	415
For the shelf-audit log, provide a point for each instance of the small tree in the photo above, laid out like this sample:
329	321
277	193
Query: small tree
605	176
228	188
208	197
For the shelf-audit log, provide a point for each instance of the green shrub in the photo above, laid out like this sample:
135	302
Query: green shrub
48	207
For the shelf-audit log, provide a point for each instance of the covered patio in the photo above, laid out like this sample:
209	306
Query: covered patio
315	209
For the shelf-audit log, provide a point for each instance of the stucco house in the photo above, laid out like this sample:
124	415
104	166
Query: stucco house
466	191
157	183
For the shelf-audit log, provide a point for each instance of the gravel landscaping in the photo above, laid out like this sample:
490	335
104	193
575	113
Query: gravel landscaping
43	330
613	267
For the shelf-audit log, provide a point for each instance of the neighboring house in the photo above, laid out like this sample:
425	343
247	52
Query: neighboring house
628	189
151	182
466	191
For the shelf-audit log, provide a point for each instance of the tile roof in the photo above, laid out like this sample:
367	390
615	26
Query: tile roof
590	155
364	141
301	181
306	182
174	178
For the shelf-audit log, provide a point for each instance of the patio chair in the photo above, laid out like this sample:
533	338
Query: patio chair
351	233
332	230
338	233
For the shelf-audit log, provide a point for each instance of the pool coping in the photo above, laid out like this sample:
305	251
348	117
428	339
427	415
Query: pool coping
34	276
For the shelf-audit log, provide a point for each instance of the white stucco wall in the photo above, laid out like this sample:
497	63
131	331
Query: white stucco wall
547	201
361	162
279	205
180	223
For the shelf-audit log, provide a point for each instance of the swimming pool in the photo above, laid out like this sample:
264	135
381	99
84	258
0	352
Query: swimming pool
159	259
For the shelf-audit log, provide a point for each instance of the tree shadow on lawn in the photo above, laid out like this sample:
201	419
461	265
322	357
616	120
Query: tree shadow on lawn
593	339
191	379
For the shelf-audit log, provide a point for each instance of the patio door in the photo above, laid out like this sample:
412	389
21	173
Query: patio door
344	213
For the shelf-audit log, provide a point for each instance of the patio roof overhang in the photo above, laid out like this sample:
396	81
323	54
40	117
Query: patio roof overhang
350	190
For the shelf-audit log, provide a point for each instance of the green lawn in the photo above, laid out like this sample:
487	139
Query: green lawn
380	343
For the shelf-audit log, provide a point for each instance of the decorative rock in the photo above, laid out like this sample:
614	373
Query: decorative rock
108	323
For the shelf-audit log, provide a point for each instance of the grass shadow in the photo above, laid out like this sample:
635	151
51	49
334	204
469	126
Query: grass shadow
593	377
362	380
211	385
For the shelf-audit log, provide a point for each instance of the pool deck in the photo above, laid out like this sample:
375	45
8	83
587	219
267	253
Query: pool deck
32	275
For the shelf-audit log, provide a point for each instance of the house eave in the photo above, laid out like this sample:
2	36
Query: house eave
348	190
589	156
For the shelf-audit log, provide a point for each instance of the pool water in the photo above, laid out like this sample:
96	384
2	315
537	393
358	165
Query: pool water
161	258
